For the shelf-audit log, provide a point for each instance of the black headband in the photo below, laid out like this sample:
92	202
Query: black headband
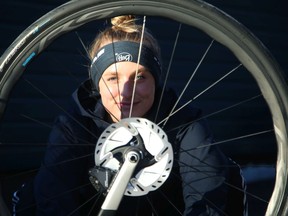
124	51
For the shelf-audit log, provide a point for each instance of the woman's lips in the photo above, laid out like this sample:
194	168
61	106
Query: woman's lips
126	105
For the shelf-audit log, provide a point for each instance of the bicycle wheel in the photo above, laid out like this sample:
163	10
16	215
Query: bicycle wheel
205	17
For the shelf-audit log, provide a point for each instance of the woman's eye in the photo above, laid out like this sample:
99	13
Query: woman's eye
140	76
114	78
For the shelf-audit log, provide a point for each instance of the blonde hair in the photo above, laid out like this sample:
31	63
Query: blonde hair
124	28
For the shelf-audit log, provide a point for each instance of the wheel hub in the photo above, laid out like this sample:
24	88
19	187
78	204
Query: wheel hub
145	137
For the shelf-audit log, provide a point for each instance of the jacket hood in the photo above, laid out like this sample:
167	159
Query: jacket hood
86	104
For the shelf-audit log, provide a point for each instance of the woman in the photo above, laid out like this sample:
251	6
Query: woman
119	88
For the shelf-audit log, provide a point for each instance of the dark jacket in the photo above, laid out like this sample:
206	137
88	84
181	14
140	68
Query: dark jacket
198	185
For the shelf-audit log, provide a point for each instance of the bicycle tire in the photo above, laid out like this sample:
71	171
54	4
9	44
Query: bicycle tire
217	24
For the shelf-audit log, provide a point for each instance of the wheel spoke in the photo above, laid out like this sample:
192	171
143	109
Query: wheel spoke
188	83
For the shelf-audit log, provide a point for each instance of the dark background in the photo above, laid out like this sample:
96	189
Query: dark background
267	19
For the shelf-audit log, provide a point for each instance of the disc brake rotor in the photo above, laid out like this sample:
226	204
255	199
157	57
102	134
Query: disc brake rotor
149	140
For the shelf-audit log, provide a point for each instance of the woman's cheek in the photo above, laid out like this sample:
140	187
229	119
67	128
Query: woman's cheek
109	91
113	91
143	88
147	89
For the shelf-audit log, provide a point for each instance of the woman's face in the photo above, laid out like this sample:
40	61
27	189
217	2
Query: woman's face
116	90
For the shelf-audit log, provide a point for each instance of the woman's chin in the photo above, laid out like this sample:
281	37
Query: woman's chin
127	114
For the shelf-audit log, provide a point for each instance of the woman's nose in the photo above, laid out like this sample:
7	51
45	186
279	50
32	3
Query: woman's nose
126	89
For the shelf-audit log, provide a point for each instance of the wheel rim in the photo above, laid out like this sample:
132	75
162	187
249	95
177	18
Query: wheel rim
271	84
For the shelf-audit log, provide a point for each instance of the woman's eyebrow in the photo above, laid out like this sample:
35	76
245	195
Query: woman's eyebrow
142	70
114	73
109	73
